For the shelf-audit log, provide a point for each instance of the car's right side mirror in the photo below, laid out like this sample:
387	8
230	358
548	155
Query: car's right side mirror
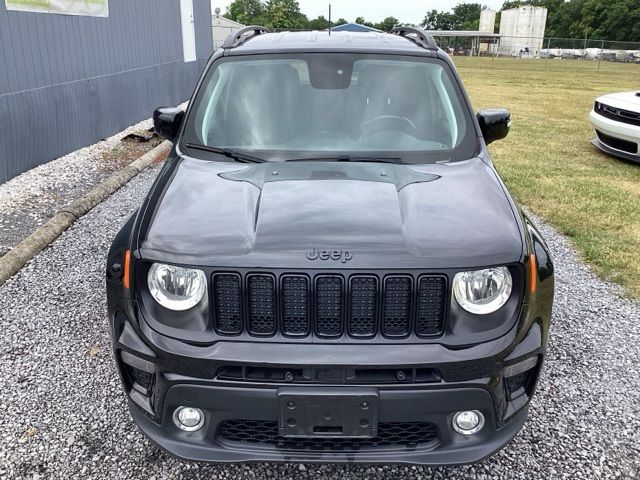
494	123
167	122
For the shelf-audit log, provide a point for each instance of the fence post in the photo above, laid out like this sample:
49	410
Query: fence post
548	53
600	56
495	51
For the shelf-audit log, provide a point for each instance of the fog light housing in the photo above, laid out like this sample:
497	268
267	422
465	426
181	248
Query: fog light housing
468	422
188	419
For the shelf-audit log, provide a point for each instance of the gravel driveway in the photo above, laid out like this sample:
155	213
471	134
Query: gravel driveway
30	199
63	414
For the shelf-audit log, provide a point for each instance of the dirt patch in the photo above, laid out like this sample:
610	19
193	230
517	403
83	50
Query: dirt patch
130	149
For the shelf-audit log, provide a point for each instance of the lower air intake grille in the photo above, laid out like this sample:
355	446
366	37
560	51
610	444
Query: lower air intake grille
397	306
329	305
364	297
431	305
617	143
295	305
391	434
227	302
262	304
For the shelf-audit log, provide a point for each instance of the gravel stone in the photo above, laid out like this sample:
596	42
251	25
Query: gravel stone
33	197
64	415
30	199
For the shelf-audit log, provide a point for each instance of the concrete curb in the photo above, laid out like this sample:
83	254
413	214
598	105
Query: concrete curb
13	261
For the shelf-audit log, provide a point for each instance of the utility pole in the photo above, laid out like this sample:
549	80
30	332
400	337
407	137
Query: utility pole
329	19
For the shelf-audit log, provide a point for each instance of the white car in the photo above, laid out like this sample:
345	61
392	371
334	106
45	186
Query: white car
616	119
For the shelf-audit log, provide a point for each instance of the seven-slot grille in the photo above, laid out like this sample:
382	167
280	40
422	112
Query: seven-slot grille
329	305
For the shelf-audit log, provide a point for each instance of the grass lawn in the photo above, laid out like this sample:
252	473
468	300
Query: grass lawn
548	162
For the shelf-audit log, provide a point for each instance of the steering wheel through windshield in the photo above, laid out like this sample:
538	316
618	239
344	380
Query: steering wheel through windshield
387	123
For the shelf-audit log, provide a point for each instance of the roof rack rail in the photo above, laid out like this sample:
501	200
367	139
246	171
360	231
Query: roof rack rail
421	38
238	38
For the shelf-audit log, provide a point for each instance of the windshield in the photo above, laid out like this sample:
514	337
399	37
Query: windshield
324	105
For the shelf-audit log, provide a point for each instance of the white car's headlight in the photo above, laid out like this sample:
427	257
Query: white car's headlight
176	288
483	291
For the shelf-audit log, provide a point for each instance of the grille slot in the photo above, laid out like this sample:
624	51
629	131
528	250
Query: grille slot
390	435
396	321
227	303
329	305
295	305
363	306
619	114
431	305
261	304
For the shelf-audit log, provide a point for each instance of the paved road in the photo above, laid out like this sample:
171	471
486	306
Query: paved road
63	415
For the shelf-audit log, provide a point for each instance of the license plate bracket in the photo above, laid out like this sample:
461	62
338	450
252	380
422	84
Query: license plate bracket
309	412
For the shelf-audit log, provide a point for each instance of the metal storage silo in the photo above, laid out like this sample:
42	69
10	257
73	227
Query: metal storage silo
522	30
487	20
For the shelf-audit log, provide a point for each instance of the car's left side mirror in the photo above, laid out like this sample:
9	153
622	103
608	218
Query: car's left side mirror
167	121
494	123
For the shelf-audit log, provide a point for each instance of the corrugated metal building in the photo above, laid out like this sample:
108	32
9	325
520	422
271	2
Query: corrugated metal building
353	27
67	81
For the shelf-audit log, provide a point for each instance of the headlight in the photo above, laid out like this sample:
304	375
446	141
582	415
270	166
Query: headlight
483	291
176	288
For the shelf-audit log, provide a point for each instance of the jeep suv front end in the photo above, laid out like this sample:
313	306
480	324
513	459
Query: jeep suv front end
328	267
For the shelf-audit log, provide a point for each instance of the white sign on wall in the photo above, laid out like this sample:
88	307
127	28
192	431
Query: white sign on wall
92	8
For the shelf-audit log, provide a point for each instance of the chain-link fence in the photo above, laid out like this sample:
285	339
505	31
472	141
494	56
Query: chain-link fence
541	48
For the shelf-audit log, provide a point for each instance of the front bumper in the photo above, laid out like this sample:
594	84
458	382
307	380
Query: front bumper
615	130
472	378
435	406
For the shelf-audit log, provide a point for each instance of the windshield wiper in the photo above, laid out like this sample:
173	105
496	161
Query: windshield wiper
227	152
350	158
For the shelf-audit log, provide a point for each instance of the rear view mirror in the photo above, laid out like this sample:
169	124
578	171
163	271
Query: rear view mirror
167	121
494	123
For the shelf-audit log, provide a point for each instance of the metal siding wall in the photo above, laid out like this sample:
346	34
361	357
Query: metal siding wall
204	38
69	81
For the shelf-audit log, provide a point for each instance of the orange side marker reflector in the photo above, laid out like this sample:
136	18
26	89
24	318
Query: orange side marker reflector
533	274
126	266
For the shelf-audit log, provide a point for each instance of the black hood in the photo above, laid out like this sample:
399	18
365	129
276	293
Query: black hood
328	214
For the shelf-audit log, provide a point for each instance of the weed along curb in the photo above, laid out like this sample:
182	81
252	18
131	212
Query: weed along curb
43	236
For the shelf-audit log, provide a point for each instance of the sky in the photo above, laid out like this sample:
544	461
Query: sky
408	11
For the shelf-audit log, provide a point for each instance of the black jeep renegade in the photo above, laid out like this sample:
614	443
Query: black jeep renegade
328	267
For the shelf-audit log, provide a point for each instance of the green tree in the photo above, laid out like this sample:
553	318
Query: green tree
387	24
340	21
467	16
598	19
285	15
320	23
613	20
435	20
247	12
362	21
